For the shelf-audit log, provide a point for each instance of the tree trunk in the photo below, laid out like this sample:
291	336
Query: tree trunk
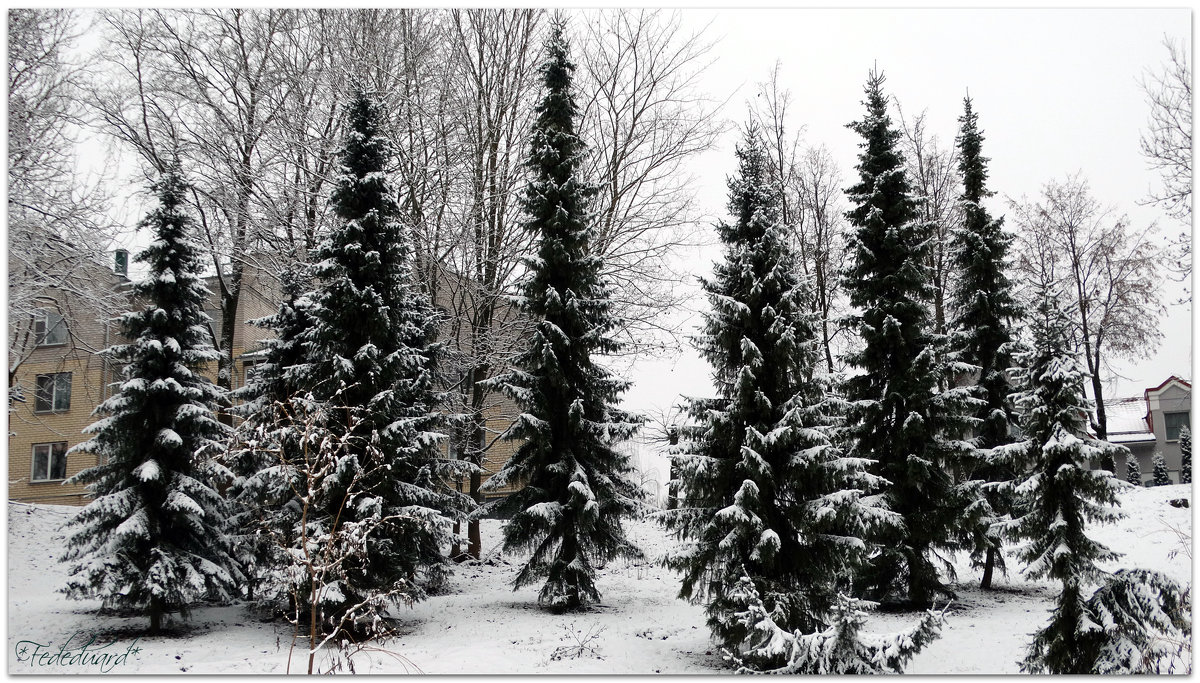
474	540
229	323
1109	462
156	614
988	565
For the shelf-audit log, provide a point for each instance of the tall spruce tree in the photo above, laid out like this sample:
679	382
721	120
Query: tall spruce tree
1185	456
766	498
154	538
1061	494
897	416
984	309
576	486
371	356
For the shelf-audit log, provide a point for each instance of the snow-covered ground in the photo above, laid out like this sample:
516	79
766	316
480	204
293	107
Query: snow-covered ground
482	626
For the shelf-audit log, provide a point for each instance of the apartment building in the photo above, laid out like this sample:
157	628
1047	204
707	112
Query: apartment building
61	377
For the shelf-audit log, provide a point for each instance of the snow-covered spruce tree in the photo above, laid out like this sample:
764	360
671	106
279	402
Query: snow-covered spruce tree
1133	470
839	650
154	538
1161	477
1060	495
575	487
897	417
371	354
764	493
266	437
981	336
1185	456
1141	624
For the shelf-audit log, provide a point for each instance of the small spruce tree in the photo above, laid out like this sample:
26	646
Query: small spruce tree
576	486
897	416
1185	456
767	498
268	437
1161	477
1147	625
1133	470
1060	495
840	649
154	538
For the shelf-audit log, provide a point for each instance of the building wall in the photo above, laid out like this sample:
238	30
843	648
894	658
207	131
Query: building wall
1173	398
92	381
90	377
93	378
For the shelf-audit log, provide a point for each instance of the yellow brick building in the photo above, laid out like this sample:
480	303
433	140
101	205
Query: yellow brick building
62	377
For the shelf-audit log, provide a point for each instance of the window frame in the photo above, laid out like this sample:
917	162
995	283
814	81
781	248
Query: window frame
42	329
52	448
250	366
1167	425
55	390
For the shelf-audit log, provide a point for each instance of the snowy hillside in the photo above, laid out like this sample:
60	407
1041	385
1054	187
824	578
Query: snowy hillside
481	626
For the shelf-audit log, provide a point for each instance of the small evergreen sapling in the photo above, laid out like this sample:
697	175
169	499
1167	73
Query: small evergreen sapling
1161	476
576	485
1133	470
1060	495
1185	456
838	650
154	538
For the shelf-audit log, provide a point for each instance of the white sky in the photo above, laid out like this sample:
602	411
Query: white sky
1056	92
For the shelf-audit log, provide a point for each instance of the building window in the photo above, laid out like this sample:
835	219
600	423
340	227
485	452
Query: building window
250	370
53	393
49	461
1174	422
49	328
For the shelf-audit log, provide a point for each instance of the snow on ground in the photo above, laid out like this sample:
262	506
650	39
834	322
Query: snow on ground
481	626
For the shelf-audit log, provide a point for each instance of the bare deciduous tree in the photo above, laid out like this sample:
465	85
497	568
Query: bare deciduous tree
58	230
1167	144
208	86
810	190
494	55
822	234
933	174
1111	273
643	118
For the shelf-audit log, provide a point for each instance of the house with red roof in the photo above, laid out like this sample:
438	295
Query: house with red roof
1150	424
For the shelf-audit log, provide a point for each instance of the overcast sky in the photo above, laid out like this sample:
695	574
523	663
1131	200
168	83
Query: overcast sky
1057	92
